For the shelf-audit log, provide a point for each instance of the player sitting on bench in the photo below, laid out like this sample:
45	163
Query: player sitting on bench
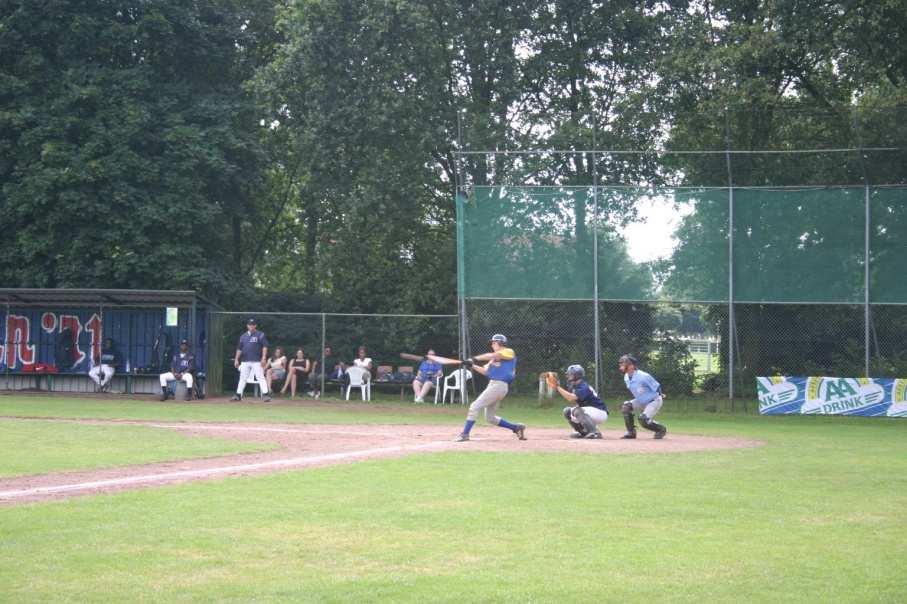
182	368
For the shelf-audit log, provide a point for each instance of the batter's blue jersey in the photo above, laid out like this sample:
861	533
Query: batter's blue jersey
642	386
586	396
503	370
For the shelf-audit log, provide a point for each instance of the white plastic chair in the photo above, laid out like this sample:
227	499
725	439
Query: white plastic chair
453	385
438	379
362	379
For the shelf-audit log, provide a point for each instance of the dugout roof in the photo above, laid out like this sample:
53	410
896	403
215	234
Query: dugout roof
136	298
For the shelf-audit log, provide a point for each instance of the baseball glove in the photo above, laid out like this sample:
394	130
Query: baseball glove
551	378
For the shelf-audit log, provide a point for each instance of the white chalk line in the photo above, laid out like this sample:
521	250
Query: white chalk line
294	462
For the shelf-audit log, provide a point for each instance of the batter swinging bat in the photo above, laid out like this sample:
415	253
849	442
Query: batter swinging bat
411	357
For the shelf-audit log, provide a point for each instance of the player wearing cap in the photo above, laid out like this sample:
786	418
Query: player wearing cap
104	366
647	398
250	359
588	410
182	367
500	370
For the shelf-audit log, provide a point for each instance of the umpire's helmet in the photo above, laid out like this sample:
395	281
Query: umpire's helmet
575	372
629	358
499	338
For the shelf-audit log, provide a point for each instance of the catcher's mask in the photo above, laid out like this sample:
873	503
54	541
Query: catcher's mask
575	373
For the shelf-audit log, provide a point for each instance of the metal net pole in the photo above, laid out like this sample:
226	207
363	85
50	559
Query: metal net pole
595	317
866	236
730	281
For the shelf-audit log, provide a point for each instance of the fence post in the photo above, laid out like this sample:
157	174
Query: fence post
596	345
323	342
867	217
730	243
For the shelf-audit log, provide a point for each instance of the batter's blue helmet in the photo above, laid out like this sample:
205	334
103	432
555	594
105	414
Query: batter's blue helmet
499	337
576	372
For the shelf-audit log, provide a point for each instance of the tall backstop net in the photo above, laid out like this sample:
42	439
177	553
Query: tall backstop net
761	271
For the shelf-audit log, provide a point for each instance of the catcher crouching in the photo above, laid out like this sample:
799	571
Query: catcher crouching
588	410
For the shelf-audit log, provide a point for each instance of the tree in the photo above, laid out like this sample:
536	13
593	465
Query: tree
130	151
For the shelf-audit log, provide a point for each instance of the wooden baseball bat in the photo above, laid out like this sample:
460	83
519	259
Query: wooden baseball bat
411	357
444	360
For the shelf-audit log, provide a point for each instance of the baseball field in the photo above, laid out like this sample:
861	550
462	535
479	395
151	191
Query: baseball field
329	501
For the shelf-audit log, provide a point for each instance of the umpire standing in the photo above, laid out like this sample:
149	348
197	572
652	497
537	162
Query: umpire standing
251	359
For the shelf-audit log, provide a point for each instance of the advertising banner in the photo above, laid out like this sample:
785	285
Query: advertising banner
832	396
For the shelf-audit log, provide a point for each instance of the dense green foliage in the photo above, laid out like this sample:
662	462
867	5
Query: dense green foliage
304	147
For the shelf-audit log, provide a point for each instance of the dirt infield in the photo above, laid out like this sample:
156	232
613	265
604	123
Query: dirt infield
313	445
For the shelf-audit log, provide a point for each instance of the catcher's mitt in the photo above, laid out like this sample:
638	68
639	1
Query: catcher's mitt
551	378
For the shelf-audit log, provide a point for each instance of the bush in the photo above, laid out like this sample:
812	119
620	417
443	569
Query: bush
673	366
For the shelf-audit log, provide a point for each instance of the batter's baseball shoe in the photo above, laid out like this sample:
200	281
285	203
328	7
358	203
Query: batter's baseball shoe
520	431
188	395
577	435
236	397
661	433
629	435
266	399
594	435
163	395
462	438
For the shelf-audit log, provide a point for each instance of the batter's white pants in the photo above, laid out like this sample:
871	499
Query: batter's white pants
651	408
249	369
488	400
95	374
169	377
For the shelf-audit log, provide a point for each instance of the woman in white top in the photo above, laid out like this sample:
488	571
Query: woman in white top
363	360
277	367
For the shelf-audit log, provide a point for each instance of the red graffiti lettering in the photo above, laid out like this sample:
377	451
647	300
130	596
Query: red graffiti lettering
17	340
72	322
93	326
49	322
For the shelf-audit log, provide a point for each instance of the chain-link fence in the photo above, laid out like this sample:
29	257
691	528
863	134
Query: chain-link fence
329	339
686	345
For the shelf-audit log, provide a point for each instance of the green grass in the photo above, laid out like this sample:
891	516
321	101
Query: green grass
388	410
814	515
35	447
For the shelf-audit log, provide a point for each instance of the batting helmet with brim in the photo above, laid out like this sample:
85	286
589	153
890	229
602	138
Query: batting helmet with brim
499	338
251	322
576	372
629	358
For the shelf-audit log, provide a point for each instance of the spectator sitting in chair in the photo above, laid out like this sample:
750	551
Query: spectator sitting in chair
104	365
428	372
297	373
362	359
182	369
333	370
277	368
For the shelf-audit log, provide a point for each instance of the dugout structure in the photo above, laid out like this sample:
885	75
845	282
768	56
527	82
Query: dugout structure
51	335
788	258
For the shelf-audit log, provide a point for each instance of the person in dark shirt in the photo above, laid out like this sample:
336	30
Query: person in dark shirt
104	366
182	368
588	410
251	359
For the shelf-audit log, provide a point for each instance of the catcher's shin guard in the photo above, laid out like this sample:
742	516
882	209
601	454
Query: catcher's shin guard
568	415
588	425
627	410
651	424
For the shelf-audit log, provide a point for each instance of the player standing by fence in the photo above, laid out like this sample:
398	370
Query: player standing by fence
647	398
251	359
